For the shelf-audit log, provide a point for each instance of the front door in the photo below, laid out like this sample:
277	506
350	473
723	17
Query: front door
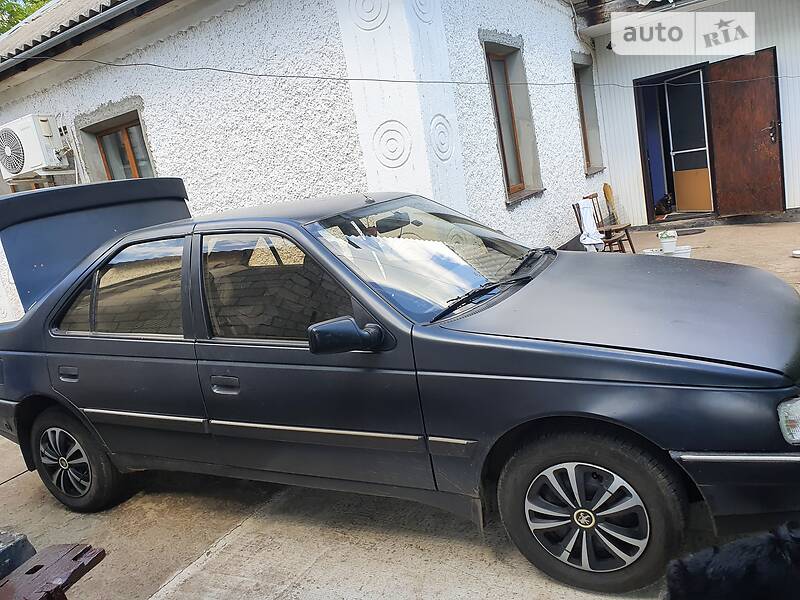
273	405
746	134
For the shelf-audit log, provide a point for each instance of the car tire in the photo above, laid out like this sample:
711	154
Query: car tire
72	463
645	503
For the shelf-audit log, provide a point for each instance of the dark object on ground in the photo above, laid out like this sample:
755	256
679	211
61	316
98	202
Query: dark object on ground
448	361
694	231
49	574
665	206
763	566
15	549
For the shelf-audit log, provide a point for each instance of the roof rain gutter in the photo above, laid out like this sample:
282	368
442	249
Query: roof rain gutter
604	28
67	39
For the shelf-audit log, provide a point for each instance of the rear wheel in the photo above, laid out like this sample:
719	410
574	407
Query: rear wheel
593	511
72	464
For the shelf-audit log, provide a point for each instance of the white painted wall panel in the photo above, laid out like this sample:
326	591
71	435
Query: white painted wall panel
777	24
548	38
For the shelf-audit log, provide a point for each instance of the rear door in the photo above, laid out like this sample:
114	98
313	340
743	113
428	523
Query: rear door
272	404
121	350
746	134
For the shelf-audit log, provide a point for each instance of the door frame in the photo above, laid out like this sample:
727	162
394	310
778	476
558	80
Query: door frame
706	120
638	91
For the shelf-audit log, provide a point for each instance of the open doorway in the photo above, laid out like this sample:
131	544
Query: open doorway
710	139
673	124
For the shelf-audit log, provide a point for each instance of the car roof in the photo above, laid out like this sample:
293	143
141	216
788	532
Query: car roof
303	211
299	212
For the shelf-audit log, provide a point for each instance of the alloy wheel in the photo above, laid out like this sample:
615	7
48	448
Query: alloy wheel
587	517
65	462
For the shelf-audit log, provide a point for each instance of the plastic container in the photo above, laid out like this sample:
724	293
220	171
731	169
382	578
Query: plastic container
680	252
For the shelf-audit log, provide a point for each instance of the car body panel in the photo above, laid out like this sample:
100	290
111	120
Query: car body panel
533	380
715	311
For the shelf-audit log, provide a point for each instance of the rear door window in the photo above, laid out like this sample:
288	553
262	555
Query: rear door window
138	292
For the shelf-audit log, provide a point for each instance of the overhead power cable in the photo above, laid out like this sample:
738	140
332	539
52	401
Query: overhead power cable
306	77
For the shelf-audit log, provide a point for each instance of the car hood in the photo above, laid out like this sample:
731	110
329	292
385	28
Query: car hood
680	307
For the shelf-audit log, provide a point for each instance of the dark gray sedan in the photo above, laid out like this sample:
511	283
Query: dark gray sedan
388	345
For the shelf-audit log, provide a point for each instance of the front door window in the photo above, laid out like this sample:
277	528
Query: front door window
262	286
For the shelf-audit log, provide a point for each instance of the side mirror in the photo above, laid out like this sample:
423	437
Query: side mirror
343	335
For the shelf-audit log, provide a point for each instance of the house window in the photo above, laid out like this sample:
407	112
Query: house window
515	129
124	152
590	122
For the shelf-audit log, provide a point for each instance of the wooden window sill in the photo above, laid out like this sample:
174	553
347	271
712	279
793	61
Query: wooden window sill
594	171
517	197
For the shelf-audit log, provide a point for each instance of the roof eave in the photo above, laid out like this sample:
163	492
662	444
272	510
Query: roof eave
77	34
597	13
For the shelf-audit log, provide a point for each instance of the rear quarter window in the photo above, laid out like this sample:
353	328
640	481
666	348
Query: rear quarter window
137	292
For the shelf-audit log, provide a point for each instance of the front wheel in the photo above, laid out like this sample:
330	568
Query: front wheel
593	511
72	464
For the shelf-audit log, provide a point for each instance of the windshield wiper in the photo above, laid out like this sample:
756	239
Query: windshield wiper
532	256
471	295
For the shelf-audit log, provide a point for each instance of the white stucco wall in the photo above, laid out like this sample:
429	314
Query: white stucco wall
240	141
777	24
234	140
548	37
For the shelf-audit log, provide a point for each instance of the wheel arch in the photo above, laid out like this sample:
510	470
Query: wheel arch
31	407
509	442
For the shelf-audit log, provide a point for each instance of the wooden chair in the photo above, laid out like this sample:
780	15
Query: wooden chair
613	242
613	226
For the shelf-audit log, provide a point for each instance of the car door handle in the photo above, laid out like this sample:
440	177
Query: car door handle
69	374
223	384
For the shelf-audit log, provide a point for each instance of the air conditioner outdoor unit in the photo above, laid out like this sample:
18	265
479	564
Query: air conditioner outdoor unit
32	146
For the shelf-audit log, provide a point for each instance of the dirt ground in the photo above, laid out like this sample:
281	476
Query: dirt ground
181	537
767	246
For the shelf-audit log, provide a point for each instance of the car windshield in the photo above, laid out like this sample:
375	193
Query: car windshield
418	254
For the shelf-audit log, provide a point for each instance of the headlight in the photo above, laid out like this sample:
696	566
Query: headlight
789	419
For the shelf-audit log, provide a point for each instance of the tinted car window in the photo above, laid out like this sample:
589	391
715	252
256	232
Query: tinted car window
261	286
139	290
77	316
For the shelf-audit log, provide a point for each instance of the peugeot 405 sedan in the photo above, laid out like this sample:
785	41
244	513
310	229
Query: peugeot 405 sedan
388	345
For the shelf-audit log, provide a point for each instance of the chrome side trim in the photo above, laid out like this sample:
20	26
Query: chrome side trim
371	434
444	440
136	415
733	458
444	446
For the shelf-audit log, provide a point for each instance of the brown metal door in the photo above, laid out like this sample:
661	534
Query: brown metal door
746	134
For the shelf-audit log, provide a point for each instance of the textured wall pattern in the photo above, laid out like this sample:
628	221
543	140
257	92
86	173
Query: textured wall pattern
239	141
236	141
546	30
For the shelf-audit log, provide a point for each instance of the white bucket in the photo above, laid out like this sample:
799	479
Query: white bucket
668	245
